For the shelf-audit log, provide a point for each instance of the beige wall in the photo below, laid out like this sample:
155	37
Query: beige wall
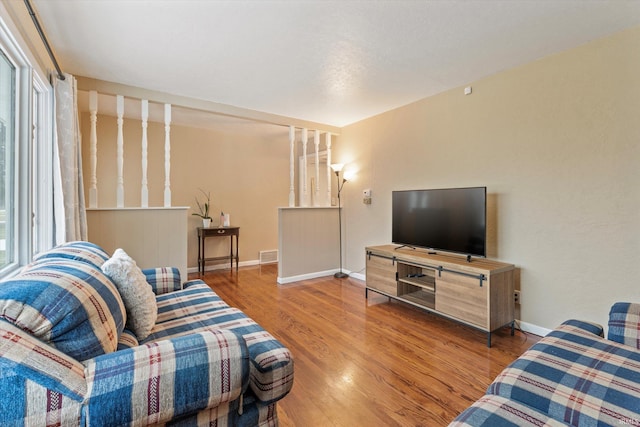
557	143
248	177
308	242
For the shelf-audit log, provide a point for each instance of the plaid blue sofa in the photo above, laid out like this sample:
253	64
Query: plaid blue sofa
66	358
571	377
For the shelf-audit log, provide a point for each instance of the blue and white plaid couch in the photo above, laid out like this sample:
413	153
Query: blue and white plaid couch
67	359
571	377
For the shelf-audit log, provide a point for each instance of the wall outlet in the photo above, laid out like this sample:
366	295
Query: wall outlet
516	296
366	196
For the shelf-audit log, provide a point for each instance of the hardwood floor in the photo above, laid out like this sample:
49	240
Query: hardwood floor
368	362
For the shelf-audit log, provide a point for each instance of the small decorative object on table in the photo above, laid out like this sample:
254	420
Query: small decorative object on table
224	220
203	210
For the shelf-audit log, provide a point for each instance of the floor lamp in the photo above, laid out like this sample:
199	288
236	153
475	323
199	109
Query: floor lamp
337	167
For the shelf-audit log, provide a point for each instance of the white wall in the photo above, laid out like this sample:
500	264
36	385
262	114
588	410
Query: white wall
556	142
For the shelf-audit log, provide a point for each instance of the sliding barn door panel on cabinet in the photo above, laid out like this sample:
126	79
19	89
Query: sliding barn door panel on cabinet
463	298
382	271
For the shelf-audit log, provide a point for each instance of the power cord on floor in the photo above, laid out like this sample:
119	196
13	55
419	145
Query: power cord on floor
517	327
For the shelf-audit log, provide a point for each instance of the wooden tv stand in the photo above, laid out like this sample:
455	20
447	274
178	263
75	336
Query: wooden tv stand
478	293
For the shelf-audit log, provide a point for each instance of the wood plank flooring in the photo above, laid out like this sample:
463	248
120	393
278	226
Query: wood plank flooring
362	362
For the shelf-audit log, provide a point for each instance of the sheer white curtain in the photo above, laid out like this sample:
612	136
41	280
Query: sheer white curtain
69	210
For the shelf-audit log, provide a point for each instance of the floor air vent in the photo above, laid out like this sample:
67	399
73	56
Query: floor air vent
268	257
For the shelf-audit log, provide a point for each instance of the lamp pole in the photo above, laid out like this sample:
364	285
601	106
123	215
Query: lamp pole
337	168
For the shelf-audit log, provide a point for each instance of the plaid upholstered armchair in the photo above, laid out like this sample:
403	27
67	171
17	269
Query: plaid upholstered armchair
71	355
573	376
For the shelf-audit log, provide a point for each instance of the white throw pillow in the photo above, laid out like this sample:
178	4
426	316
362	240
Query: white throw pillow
139	299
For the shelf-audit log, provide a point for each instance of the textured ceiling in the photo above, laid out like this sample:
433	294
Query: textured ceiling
332	62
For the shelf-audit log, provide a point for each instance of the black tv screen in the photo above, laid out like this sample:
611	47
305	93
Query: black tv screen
451	220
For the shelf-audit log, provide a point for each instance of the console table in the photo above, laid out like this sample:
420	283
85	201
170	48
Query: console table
230	232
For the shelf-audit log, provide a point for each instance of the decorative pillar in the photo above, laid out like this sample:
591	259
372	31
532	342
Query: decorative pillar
167	155
305	194
144	192
329	170
316	189
292	141
93	149
120	151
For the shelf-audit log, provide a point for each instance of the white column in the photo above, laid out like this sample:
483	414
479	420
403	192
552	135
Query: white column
144	191
305	193
120	151
167	155
292	141
316	189
93	149
329	170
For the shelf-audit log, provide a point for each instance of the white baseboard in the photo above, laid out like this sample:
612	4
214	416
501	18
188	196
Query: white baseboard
359	276
283	280
224	265
291	279
533	329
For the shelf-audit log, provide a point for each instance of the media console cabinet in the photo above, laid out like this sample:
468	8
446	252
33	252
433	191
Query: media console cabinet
478	293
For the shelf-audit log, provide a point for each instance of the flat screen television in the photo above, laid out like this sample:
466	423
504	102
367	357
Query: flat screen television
450	220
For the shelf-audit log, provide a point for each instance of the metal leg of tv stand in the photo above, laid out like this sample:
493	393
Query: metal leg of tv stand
513	331
366	294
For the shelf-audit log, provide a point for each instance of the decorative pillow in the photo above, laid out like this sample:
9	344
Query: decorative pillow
624	323
163	279
68	304
139	299
78	250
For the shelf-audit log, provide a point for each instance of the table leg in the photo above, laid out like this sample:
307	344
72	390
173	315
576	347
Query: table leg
201	253
231	253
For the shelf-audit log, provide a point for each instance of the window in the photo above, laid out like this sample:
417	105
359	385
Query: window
42	168
26	146
7	160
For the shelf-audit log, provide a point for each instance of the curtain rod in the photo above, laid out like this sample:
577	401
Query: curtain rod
44	38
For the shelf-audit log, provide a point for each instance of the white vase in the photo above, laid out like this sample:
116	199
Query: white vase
206	222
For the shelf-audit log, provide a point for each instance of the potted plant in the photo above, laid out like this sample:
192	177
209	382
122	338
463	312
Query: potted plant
203	210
